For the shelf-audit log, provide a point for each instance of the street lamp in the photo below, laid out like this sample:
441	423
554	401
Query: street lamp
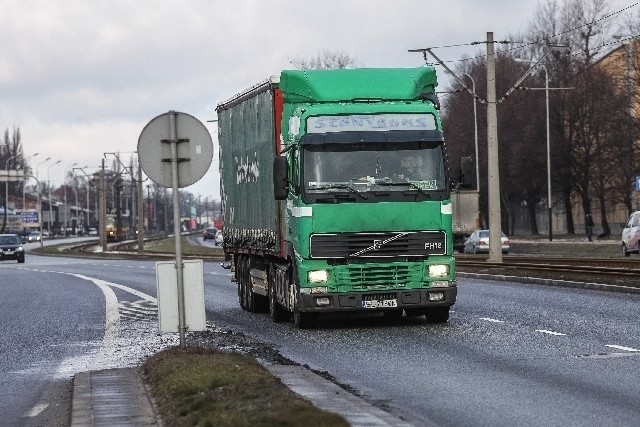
39	202
6	188
75	189
546	89
66	208
475	127
88	179
549	207
38	165
24	183
50	207
40	195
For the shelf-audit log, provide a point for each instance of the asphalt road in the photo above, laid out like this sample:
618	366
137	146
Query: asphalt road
47	320
511	354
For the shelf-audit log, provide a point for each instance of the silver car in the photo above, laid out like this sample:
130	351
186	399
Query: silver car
631	235
478	243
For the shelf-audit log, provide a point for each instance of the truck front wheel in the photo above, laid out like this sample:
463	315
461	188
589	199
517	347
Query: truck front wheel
437	314
301	319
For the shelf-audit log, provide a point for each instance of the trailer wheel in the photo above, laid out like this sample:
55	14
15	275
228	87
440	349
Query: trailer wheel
277	313
249	300
240	281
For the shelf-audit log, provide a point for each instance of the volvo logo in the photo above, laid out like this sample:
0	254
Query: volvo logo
378	244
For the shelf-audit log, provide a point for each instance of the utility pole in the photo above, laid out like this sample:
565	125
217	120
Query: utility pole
475	129
140	209
495	215
103	210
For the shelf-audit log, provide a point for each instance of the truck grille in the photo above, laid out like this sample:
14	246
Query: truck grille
376	245
374	277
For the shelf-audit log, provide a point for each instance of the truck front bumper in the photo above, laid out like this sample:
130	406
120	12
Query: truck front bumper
378	300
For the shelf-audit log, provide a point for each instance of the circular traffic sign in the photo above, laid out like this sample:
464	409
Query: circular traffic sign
194	149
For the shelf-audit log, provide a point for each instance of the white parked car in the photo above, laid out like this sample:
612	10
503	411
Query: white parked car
478	243
219	240
93	232
631	235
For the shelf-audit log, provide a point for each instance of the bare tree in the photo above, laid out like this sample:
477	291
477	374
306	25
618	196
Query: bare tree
584	26
11	151
325	60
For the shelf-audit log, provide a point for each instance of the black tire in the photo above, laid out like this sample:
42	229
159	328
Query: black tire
438	315
240	282
395	314
20	260
625	252
415	312
277	313
249	300
303	320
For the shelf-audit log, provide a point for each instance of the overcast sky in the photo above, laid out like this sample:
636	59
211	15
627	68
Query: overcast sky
81	78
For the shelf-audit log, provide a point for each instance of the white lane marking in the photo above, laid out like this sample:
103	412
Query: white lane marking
102	357
109	344
134	292
36	410
217	274
489	319
544	331
619	347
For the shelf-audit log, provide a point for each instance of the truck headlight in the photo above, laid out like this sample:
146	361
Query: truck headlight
318	276
438	270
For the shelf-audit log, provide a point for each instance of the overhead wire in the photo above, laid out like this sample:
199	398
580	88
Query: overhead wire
540	40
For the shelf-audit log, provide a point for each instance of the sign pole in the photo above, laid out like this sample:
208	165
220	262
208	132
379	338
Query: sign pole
185	142
176	225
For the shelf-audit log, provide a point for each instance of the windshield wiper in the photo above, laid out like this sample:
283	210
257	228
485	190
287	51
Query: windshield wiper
340	186
397	184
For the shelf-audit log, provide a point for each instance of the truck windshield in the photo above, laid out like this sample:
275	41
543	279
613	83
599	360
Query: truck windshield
402	170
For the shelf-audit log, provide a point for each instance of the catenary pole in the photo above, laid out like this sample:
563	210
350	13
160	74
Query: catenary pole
495	228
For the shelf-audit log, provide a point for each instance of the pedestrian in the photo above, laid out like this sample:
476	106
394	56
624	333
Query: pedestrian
588	223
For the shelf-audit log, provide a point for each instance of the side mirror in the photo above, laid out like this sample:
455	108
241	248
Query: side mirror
280	183
466	172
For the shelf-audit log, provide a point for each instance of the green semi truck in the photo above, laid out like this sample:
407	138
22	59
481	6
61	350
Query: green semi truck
336	195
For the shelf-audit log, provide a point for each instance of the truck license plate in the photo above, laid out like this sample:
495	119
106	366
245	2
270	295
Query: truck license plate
385	303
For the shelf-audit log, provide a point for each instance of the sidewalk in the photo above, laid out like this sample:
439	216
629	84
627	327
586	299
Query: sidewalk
118	397
111	397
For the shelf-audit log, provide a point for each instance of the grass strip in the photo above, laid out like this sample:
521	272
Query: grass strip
206	387
168	245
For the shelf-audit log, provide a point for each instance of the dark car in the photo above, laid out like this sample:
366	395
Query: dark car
11	247
210	233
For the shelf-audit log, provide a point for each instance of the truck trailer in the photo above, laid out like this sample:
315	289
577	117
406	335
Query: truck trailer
336	195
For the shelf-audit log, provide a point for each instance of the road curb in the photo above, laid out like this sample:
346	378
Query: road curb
553	282
326	395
